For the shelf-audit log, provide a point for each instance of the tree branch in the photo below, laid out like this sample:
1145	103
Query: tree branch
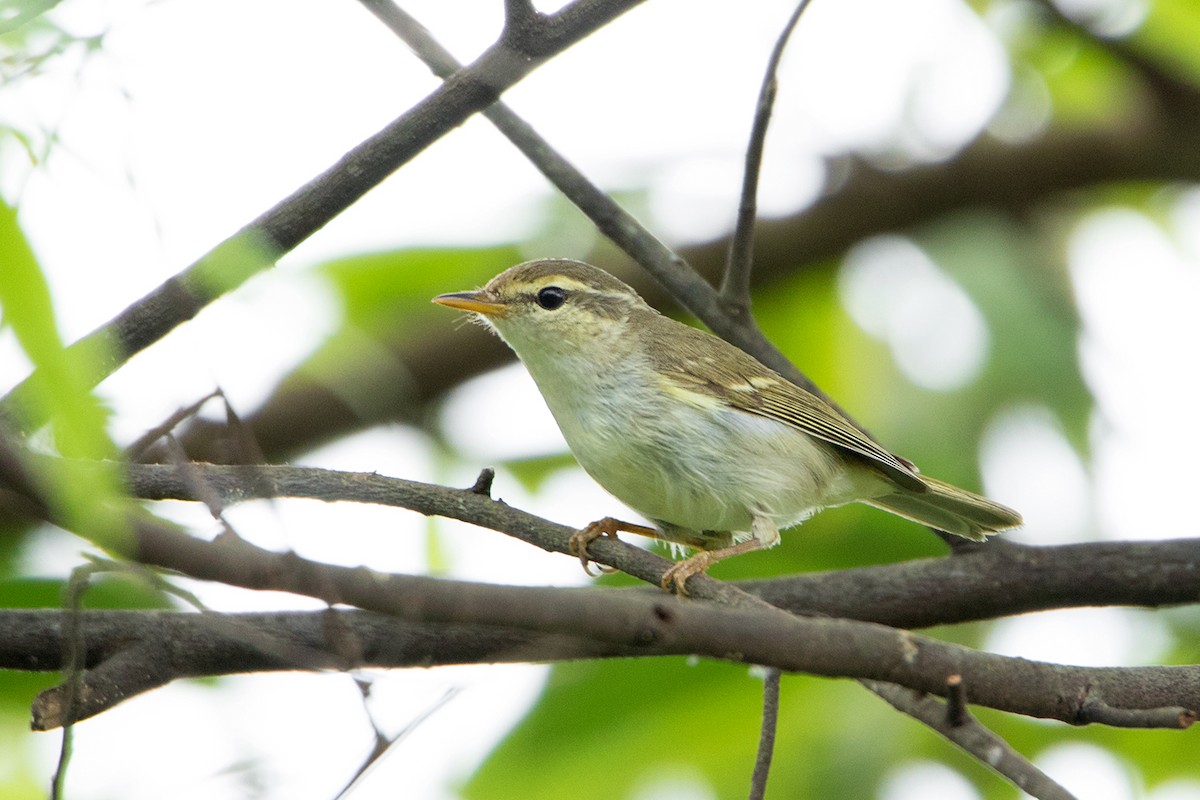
983	582
766	736
735	283
654	624
991	750
669	269
280	229
130	652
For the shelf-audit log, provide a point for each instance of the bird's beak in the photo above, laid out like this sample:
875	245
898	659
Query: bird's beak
480	302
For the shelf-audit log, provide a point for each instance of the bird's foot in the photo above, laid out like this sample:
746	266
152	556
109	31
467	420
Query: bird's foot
676	577
577	545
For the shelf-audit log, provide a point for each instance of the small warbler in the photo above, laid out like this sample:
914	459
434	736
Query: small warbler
718	450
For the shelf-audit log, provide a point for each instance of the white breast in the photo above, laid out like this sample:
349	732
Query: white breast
701	468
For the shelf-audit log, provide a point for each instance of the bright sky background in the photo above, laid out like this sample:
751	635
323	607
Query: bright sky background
197	116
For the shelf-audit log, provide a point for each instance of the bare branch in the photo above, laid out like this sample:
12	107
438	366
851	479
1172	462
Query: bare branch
383	744
998	579
735	285
668	268
766	738
746	630
139	445
663	625
956	701
990	749
483	483
277	231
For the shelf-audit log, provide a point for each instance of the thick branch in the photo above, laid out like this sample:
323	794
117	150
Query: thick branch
659	625
983	582
129	652
662	625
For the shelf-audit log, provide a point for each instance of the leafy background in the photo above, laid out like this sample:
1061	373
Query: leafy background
1069	406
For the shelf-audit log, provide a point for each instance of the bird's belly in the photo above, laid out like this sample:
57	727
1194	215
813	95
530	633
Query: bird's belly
709	469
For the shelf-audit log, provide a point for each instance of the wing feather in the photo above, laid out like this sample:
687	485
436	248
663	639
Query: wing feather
739	381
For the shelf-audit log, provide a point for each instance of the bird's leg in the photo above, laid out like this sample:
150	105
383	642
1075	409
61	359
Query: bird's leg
764	534
578	543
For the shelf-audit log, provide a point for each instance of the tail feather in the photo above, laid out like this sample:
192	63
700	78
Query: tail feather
950	509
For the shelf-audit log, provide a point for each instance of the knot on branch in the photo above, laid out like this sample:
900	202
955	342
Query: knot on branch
527	30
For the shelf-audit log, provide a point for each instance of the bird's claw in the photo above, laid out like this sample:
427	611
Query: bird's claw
676	577
577	545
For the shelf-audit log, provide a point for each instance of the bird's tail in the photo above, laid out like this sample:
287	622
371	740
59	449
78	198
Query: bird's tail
950	509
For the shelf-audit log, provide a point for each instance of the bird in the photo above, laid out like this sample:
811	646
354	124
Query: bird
717	450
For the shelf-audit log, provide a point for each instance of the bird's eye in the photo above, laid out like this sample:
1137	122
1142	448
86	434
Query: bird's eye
551	297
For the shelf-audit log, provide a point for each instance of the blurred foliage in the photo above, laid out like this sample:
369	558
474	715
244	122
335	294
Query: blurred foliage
30	43
1169	34
1027	303
1086	84
385	303
87	500
607	730
612	729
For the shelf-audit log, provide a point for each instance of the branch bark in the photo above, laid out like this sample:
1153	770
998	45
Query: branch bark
631	621
647	625
986	581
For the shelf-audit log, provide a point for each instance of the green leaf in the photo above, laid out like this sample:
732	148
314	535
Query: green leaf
387	314
382	290
108	591
1169	35
534	471
86	499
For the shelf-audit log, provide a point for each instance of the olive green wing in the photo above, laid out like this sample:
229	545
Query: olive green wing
708	371
780	399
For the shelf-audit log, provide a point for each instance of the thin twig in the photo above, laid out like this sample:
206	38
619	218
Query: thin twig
735	286
384	745
74	660
143	442
283	227
667	267
766	736
990	749
956	701
483	482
